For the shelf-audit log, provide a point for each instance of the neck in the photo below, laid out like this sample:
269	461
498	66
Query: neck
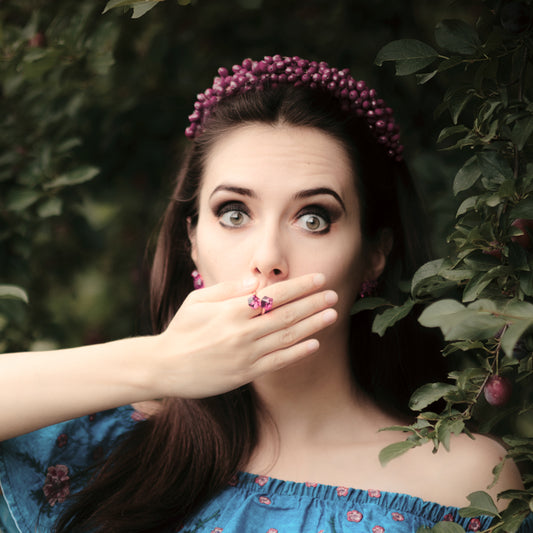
316	399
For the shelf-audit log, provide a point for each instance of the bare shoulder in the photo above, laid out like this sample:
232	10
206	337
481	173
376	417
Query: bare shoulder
469	464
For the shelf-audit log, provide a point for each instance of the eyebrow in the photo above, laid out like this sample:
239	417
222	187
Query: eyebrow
320	190
238	190
307	193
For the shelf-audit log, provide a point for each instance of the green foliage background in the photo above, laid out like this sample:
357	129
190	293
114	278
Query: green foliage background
111	93
92	112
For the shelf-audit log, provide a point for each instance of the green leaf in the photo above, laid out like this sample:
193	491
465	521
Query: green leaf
480	503
522	131
457	36
431	316
51	207
140	7
143	7
494	165
457	102
480	281
13	292
456	322
395	450
367	303
451	131
424	77
410	55
429	393
467	175
523	210
74	177
19	199
389	317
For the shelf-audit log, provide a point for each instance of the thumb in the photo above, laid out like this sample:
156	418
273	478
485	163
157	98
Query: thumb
227	289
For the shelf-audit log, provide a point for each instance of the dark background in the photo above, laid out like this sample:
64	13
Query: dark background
83	90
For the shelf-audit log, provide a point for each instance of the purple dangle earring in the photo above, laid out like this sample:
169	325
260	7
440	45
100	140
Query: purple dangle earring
198	282
368	288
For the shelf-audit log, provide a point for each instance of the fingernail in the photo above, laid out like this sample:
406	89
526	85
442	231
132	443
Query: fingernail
331	297
249	282
319	280
329	316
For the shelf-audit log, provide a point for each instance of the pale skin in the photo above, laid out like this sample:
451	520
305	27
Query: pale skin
284	198
256	197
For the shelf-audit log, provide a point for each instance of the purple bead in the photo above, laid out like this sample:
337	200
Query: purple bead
353	96
254	302
266	304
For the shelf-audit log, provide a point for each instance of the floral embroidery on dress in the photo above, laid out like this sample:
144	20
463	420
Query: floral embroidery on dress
217	530
398	517
272	530
448	518
354	516
265	500
374	493
342	491
474	525
261	480
378	529
310	484
56	487
62	440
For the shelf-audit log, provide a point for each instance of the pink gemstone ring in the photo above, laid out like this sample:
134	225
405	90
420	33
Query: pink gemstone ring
254	302
265	304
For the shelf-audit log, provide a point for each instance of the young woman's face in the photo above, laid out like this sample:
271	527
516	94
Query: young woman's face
277	202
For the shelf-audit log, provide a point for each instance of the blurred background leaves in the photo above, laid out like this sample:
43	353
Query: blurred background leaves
93	108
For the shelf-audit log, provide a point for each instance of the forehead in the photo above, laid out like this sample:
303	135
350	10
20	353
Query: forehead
287	157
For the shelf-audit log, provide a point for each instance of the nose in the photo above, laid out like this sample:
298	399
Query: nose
269	260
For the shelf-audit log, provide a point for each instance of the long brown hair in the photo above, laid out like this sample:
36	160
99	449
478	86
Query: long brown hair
170	464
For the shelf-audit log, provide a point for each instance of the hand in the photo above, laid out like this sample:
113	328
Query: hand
216	343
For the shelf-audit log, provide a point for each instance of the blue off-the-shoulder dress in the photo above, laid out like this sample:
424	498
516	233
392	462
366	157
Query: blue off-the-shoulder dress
39	470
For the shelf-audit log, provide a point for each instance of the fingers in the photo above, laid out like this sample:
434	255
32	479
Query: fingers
282	338
282	318
287	356
286	291
226	289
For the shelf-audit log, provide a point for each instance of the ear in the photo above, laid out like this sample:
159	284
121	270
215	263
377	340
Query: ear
191	232
378	253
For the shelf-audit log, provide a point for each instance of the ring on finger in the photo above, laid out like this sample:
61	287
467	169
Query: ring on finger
265	304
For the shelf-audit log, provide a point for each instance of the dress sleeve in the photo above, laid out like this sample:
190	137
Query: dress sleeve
39	470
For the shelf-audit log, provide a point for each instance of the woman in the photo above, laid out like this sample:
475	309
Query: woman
275	395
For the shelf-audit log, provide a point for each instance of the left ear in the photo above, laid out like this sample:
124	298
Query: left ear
378	253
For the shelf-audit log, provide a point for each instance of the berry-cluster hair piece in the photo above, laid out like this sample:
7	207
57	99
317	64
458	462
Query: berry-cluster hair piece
354	96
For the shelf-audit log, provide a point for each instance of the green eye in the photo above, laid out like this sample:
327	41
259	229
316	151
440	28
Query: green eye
233	218
313	222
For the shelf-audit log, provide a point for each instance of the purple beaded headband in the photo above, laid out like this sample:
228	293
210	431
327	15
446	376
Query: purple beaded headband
354	96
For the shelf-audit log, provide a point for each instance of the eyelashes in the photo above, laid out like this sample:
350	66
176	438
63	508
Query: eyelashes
314	218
